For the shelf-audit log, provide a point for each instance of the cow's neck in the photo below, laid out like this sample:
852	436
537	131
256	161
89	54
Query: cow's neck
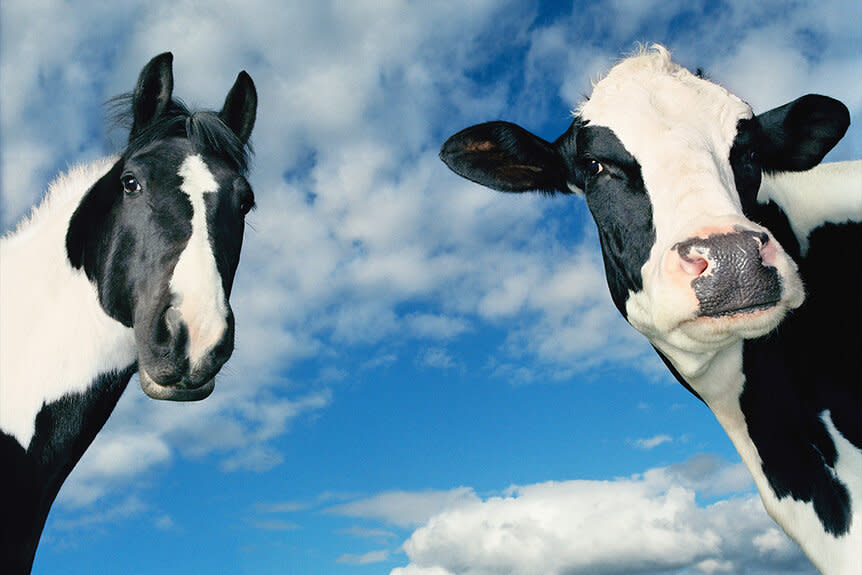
726	389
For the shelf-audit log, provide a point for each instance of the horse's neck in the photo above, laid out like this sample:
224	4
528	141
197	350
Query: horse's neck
55	339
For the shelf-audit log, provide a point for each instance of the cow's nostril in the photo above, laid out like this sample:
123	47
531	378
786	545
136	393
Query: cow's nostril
693	265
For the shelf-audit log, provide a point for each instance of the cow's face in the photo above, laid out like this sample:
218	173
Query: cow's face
670	165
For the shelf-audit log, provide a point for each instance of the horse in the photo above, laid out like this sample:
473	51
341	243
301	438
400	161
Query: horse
126	266
727	246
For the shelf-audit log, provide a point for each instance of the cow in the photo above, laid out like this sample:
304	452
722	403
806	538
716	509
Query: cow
736	255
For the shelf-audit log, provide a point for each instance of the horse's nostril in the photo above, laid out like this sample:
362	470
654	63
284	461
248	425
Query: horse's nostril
168	328
173	320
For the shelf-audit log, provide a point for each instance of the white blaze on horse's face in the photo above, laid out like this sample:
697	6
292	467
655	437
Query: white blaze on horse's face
196	285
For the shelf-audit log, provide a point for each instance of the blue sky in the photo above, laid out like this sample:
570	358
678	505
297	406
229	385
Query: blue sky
430	378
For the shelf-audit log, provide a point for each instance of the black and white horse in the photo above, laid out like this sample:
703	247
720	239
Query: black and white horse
127	265
736	259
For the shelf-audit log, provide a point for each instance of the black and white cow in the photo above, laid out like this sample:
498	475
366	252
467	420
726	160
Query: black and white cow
737	260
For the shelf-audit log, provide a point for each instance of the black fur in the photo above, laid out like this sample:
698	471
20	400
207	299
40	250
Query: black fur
127	234
810	363
808	366
621	208
32	478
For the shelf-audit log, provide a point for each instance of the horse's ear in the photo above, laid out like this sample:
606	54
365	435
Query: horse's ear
240	107
153	91
505	157
797	135
88	221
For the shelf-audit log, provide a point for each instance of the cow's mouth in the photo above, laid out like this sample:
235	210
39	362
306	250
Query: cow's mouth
741	311
179	391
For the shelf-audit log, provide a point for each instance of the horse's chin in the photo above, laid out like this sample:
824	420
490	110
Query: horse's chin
177	392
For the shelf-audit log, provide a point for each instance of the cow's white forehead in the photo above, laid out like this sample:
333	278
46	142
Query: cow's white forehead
680	129
651	102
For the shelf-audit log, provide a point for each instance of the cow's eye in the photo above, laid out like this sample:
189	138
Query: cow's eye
594	168
130	184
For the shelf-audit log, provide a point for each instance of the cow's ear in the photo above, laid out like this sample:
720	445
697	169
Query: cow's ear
797	135
505	157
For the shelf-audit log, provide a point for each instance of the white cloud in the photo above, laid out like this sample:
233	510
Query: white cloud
354	102
650	523
365	558
406	509
436	357
436	326
652	442
368	533
275	525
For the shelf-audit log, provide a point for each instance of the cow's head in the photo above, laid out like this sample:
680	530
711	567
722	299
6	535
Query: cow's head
670	165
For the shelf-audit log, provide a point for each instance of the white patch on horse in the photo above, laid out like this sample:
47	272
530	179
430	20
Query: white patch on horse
196	284
48	309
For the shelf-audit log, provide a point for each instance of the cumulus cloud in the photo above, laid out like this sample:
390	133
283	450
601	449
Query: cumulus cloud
651	523
357	215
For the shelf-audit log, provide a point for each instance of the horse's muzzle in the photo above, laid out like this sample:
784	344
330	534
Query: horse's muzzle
175	392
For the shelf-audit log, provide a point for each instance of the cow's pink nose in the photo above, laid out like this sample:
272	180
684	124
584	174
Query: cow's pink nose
692	264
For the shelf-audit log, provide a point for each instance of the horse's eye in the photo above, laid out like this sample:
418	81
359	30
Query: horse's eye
130	184
752	157
594	168
246	204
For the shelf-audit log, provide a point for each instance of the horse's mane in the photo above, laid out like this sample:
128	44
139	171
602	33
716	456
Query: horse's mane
204	129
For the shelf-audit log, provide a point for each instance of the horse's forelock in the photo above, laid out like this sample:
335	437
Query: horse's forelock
208	134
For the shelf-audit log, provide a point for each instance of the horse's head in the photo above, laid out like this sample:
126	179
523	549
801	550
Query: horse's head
160	234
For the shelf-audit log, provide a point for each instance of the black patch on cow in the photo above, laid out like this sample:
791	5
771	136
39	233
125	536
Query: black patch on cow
621	208
32	478
808	366
745	162
738	281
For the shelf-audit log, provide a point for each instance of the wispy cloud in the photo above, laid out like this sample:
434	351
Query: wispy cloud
360	224
652	442
406	509
368	533
275	525
365	558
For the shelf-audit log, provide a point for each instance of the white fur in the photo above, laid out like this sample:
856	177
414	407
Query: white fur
827	193
720	387
54	336
196	284
680	128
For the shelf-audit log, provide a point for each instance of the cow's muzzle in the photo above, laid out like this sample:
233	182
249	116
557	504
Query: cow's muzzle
731	273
